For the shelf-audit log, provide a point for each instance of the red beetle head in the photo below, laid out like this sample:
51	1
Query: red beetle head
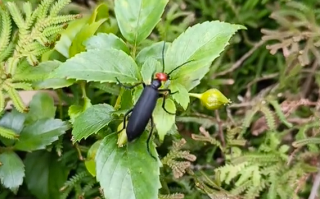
162	77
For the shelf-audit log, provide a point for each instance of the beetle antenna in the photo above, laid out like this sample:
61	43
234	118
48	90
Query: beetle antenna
180	66
163	48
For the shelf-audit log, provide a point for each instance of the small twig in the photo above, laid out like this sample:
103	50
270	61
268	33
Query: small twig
307	85
220	128
315	187
241	60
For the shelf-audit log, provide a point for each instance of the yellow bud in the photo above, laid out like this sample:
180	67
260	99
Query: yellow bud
122	136
212	99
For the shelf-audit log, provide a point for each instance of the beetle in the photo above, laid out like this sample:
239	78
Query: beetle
142	111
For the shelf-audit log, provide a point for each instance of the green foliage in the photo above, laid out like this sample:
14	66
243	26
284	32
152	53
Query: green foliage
131	178
37	32
264	145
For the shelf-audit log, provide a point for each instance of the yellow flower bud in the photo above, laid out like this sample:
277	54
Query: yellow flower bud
212	99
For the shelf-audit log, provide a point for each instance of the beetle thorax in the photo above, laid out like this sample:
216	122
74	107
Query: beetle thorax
156	83
162	77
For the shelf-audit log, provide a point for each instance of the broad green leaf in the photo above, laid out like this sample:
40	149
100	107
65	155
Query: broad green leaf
75	110
136	94
162	119
45	175
11	170
41	107
54	83
100	12
39	73
182	96
87	31
97	18
13	120
148	69
153	51
127	172
91	121
90	160
138	18
67	36
40	134
202	43
104	41
101	65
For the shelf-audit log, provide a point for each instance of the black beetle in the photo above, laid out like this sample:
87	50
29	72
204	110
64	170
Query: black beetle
143	109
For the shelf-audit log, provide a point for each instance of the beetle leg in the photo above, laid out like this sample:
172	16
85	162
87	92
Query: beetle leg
149	137
168	90
128	87
124	120
164	104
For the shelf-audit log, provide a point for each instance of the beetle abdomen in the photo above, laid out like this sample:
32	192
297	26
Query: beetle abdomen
142	112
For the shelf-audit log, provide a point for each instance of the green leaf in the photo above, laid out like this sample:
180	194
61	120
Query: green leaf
40	134
45	175
148	69
13	120
138	18
153	51
67	35
53	83
162	119
25	72
87	31
182	96
11	170
41	107
127	172
90	160
202	43
91	121
102	65
104	41
39	75
97	18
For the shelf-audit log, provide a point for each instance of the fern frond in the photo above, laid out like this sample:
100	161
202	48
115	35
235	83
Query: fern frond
2	102
279	113
306	141
249	117
257	158
53	30
22	85
242	188
16	99
6	28
88	187
252	192
9	48
74	180
44	8
55	9
8	133
172	196
27	9
16	15
229	171
66	193
62	19
269	117
59	146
